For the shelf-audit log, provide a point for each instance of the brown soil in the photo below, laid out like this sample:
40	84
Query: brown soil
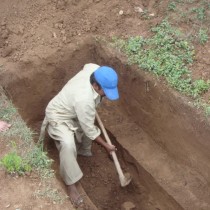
162	141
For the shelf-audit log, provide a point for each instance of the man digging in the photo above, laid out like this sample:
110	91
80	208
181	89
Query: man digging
70	117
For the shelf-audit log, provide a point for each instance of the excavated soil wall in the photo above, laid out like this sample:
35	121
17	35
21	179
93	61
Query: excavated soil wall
167	118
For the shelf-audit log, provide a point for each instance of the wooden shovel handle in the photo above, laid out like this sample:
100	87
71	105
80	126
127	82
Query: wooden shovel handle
116	162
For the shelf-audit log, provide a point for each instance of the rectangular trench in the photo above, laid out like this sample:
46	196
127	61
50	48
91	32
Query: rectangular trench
163	139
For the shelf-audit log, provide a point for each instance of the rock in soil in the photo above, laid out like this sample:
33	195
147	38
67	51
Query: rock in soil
128	206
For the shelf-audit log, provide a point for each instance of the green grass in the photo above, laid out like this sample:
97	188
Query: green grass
172	6
200	13
50	193
23	154
168	54
191	15
14	163
201	104
39	161
203	36
26	151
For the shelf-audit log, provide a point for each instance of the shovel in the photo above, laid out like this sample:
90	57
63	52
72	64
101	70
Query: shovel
125	179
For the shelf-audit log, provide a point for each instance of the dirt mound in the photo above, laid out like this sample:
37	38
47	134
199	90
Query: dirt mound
36	28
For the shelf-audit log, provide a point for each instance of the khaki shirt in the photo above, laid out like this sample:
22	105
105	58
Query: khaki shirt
76	102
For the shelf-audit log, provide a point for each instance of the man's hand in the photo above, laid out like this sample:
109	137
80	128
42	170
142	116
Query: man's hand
110	148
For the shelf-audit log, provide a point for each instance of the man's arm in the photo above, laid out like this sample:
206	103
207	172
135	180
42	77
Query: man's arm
86	112
107	146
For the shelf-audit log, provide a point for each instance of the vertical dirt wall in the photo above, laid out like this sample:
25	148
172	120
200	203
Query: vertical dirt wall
168	118
162	113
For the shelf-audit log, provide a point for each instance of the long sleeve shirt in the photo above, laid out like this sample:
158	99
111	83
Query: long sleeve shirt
76	101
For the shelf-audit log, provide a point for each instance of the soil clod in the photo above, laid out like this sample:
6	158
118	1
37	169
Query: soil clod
128	206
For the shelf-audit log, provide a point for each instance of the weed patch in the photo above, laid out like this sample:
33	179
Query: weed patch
203	36
50	193
24	155
14	164
172	6
25	151
200	12
165	54
39	160
193	14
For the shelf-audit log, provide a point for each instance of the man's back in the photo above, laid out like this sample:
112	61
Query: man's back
78	90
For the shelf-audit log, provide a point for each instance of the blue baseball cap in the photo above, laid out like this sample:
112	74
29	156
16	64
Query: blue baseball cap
108	80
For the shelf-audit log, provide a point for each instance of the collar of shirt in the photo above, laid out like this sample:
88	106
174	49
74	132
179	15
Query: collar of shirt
96	96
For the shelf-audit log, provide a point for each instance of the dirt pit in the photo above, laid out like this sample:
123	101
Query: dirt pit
161	140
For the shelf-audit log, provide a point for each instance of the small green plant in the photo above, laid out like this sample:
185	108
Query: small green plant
203	36
200	103
13	163
207	110
201	13
190	1
199	86
172	6
38	158
7	112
